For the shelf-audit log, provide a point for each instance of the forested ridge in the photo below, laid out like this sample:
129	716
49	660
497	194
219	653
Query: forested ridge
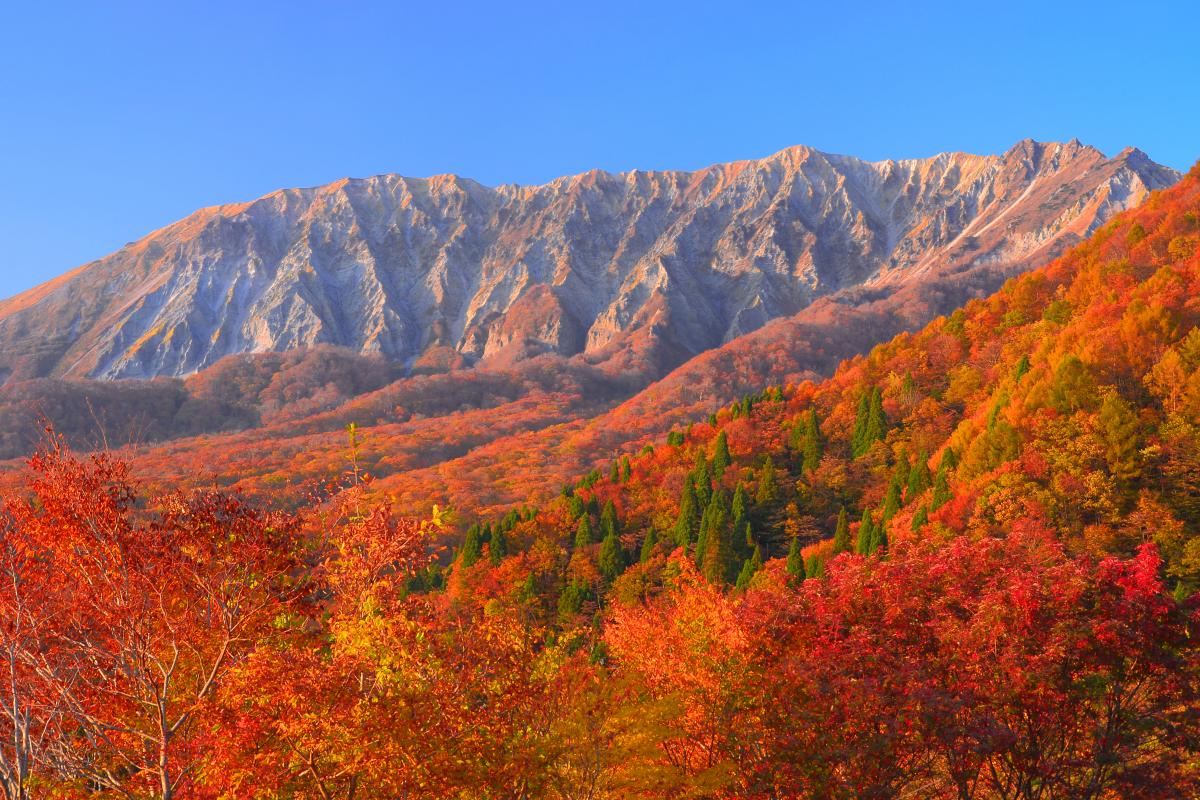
965	566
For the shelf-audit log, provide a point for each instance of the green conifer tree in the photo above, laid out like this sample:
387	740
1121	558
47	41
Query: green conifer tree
721	457
688	521
859	435
648	543
795	561
611	560
841	534
814	443
918	477
891	502
921	518
608	520
583	534
866	534
497	546
768	485
472	546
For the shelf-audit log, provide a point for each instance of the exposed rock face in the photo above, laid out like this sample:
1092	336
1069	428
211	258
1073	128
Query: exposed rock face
598	264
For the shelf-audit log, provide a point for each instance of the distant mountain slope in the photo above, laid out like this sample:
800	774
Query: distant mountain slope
640	270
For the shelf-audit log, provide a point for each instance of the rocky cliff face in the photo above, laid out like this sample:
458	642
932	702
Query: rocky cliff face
639	265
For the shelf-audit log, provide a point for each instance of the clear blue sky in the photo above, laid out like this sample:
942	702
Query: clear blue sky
117	118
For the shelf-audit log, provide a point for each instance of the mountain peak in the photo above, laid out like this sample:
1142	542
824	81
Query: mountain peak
666	263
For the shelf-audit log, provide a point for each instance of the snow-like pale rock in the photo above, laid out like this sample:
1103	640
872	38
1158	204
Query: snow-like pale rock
690	259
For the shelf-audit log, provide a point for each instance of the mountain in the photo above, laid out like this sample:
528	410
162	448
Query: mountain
637	271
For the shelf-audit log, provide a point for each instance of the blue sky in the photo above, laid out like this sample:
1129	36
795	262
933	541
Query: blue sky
117	118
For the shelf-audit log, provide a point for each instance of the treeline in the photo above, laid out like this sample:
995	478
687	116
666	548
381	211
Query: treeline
194	646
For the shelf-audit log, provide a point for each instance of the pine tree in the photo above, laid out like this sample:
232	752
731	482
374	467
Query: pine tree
688	521
1022	367
583	534
739	508
941	483
497	546
859	435
918	476
749	567
721	457
648	544
814	444
879	543
866	534
876	427
841	534
717	555
614	472
472	546
815	567
768	486
576	506
891	501
570	602
795	561
626	470
611	560
608	521
717	558
704	483
921	518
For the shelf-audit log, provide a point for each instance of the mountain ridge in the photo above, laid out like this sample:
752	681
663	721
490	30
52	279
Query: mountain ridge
641	269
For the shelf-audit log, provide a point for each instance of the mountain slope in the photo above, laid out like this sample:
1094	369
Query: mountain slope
640	270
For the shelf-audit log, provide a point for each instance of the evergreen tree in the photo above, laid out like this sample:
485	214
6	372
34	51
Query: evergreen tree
608	521
715	538
648	544
795	561
876	427
1022	367
768	486
570	602
497	546
921	518
866	534
718	558
688	521
814	444
941	483
879	538
611	560
614	472
815	567
859	435
891	502
576	506
918	476
626	470
583	534
721	457
739	507
841	534
751	566
472	546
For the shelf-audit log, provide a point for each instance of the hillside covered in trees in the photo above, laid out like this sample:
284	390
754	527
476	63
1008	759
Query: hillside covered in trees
964	566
